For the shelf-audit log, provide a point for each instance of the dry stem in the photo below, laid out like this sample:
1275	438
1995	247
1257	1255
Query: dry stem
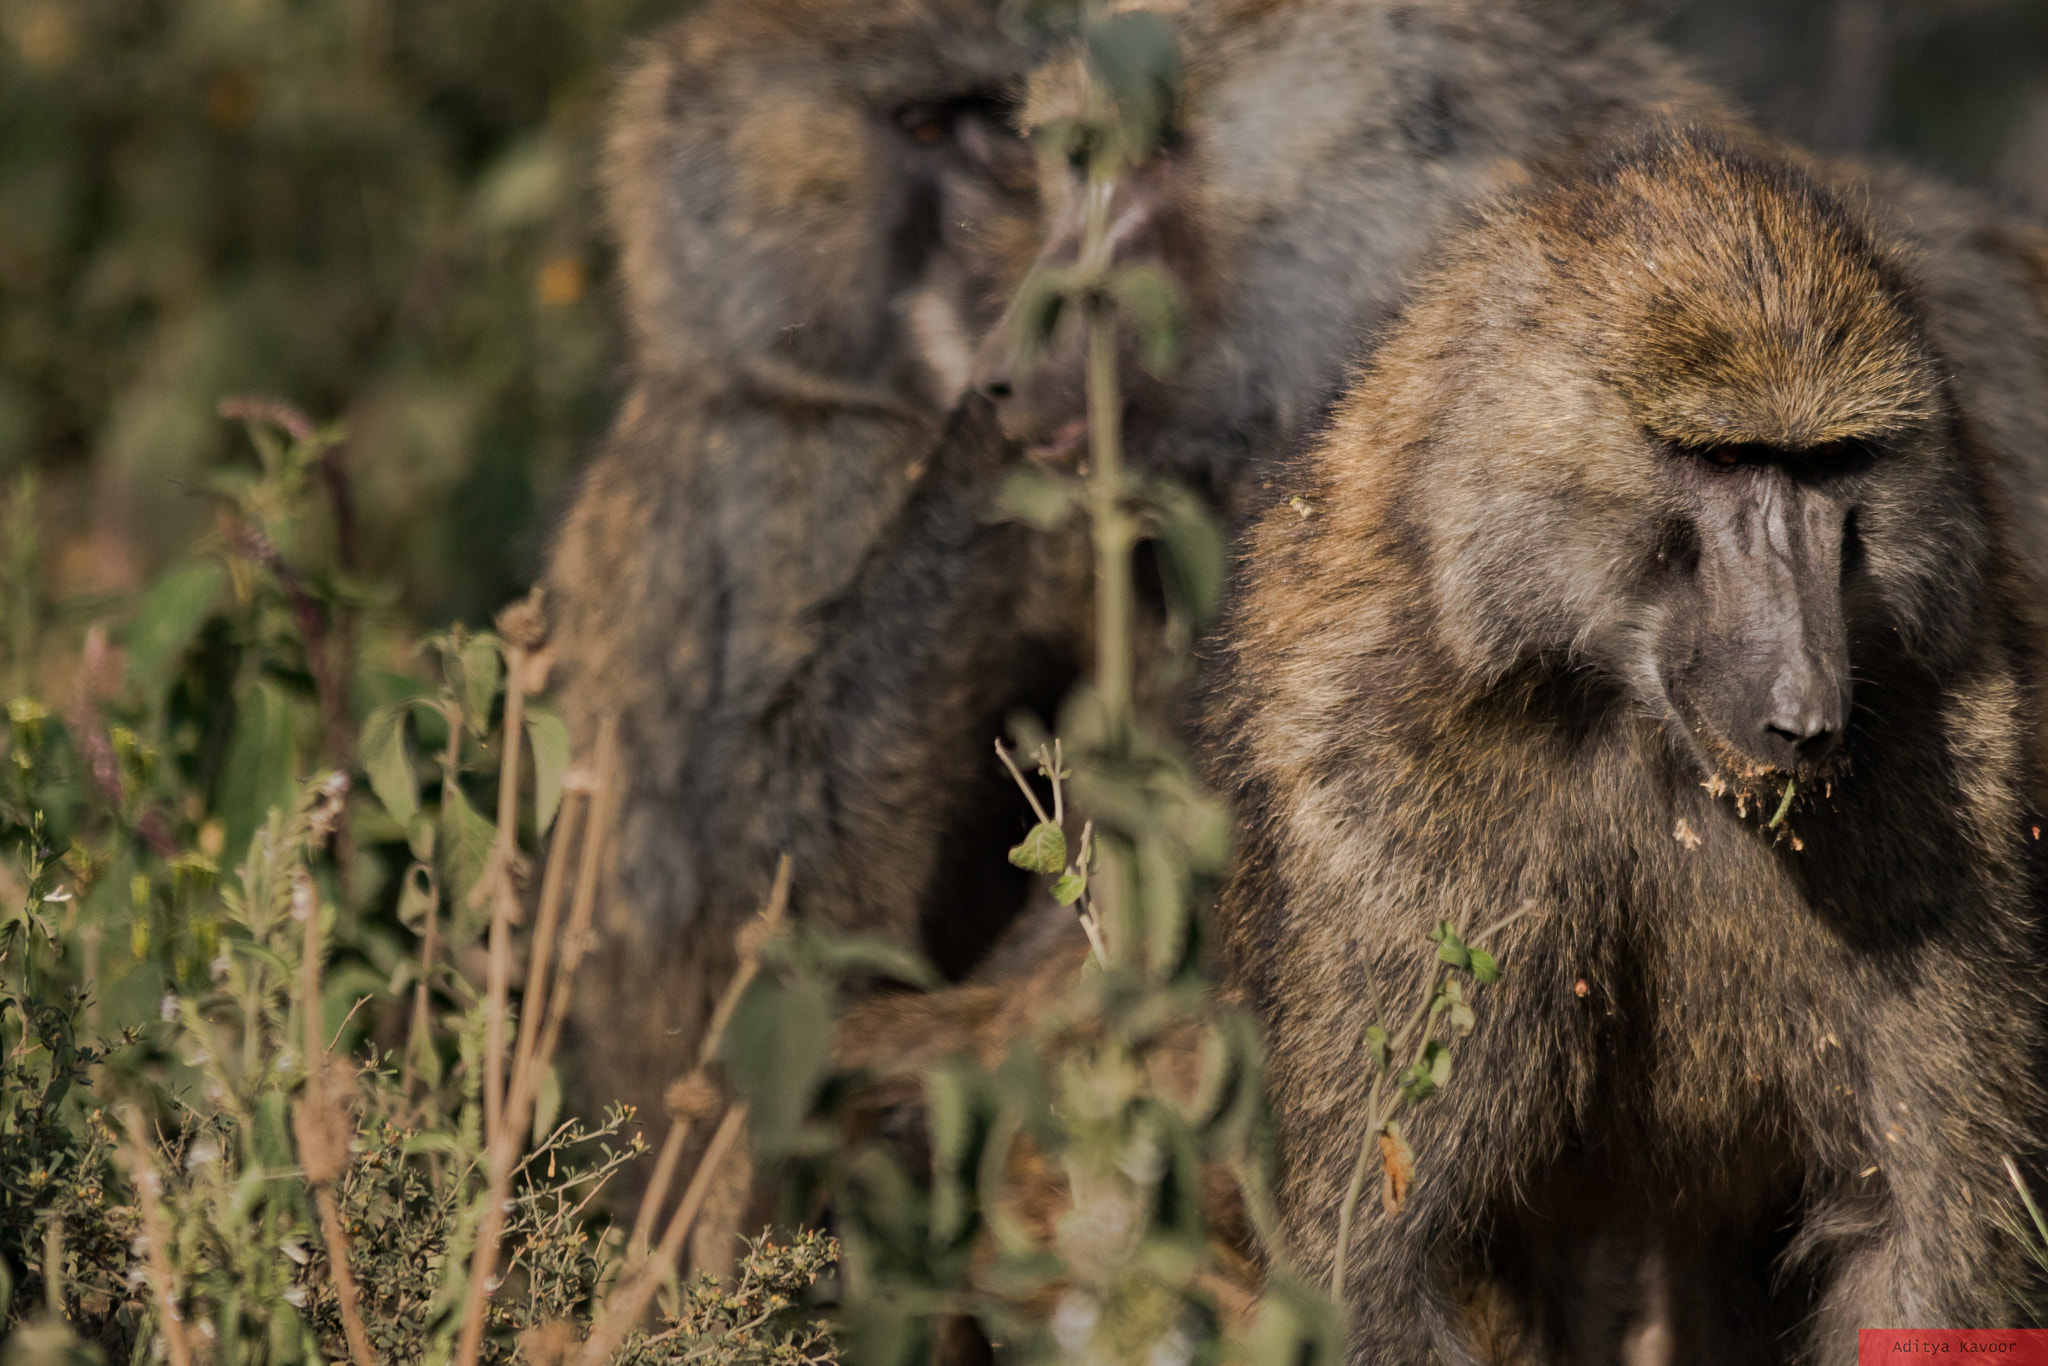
505	897
321	1117
147	1187
770	923
526	1084
630	1301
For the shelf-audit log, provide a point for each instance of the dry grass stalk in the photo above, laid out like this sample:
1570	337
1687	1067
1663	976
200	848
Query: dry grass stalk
502	1148
148	1187
630	1300
686	1103
503	892
324	1128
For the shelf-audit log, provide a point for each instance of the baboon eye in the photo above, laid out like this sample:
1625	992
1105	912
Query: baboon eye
925	123
1836	458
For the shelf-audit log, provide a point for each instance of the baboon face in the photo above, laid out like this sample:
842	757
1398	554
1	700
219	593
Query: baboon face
829	185
969	224
1706	456
1754	654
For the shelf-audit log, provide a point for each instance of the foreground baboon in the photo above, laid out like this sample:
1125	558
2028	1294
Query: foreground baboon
1657	500
817	203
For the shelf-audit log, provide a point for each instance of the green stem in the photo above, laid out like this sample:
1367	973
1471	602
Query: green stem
1112	526
1791	786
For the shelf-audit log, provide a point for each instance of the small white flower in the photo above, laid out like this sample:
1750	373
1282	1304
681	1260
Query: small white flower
296	1297
61	895
167	1008
1175	1349
219	967
1074	1321
304	899
204	1152
296	1250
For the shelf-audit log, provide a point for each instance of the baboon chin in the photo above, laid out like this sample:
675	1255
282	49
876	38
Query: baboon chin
1648	583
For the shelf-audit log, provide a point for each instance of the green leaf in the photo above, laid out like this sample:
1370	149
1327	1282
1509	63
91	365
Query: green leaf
1148	296
1035	315
1450	949
550	741
167	620
775	1054
481	670
1070	887
1038	497
1377	1046
841	956
262	763
1422	1078
416	897
387	759
1484	967
1195	556
1136	56
1044	850
465	846
547	1103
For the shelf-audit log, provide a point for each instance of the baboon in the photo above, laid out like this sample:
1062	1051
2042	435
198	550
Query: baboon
1320	151
1651	581
819	211
777	573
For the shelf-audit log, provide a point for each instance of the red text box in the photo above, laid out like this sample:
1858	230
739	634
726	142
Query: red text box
1951	1346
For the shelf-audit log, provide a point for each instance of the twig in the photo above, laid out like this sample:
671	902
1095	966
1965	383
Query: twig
504	899
324	1129
1379	1112
1025	787
346	1294
148	1185
421	1033
533	1000
629	1302
752	938
526	1085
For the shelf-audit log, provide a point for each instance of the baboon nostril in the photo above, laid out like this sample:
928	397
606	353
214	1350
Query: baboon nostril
1810	742
997	389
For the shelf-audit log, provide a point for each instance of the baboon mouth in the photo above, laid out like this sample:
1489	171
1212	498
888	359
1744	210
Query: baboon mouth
1756	785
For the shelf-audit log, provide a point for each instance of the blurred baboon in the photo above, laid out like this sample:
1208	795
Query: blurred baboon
1321	150
789	599
1651	582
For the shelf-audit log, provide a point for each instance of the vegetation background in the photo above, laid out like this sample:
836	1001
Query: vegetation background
383	213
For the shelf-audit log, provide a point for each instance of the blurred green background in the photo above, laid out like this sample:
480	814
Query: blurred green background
383	210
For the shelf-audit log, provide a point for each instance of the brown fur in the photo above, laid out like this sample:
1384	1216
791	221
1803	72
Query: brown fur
1321	152
762	569
1443	703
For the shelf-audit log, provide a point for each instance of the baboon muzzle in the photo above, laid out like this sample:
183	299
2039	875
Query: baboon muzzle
1774	676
